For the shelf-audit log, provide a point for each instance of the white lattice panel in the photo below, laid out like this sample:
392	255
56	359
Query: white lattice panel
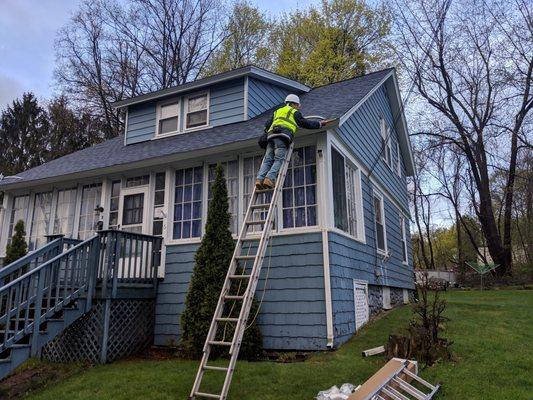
360	296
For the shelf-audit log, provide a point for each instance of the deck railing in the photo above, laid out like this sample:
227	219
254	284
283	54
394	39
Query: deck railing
110	258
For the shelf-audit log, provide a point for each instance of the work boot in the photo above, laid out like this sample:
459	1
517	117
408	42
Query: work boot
259	184
268	184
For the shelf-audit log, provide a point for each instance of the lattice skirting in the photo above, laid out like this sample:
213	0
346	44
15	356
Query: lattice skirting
129	329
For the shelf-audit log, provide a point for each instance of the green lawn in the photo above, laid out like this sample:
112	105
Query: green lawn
492	331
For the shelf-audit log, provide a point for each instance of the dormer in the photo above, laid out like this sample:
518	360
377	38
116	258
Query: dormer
221	99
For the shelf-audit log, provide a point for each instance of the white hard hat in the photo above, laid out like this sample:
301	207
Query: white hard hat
292	98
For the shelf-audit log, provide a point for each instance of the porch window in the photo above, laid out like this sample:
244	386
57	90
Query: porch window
196	110
188	203
299	189
65	211
138	181
404	239
159	204
168	118
114	204
340	210
40	220
379	223
20	212
353	199
231	173
251	167
90	199
386	147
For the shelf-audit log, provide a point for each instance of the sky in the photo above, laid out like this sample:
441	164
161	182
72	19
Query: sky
27	34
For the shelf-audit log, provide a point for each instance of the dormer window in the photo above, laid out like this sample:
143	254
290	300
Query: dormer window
196	110
168	118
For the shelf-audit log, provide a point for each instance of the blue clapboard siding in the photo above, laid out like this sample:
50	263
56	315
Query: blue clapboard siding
293	312
141	123
362	134
263	96
226	103
226	106
350	259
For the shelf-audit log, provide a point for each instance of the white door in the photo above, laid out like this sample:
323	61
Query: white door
360	297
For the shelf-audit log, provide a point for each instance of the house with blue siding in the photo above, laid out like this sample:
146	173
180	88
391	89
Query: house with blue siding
341	249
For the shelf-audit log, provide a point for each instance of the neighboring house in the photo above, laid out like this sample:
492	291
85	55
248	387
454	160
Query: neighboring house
341	247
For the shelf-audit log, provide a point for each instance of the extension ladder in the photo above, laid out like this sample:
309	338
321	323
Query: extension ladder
263	204
398	388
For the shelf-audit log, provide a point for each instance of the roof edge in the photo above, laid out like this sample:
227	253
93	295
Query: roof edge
249	70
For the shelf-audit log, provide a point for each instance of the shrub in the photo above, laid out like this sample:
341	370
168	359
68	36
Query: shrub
18	247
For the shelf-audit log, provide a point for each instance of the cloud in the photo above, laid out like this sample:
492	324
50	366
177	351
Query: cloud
10	89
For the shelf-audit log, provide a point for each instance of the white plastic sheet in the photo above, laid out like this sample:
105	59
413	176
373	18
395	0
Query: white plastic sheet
334	393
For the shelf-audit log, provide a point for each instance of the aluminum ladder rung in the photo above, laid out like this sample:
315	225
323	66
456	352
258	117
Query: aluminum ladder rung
227	319
419	379
213	368
233	297
240	276
262	239
219	343
409	388
393	393
207	395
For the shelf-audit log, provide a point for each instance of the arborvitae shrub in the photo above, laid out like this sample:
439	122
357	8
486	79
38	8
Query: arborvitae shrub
18	247
211	263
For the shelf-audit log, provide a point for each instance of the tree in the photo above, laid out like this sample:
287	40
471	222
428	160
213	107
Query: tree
211	262
23	132
339	40
113	50
471	62
248	30
18	247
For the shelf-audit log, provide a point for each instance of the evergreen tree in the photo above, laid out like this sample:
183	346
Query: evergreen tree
211	262
18	247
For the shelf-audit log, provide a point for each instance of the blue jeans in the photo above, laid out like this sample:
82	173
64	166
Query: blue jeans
273	160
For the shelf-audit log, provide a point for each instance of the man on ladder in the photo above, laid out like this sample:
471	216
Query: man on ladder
279	130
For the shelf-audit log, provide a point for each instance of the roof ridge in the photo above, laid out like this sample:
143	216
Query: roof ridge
353	78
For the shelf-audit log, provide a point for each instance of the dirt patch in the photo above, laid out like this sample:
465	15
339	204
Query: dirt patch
36	375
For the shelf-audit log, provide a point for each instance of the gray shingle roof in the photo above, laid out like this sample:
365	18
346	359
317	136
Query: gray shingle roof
330	101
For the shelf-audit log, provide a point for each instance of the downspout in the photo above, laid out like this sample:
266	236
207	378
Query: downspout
327	289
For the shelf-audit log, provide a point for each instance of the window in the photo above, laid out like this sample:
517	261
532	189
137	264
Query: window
196	110
188	203
40	220
347	206
65	210
168	118
340	210
404	239
113	205
19	213
299	189
379	222
231	173
159	204
251	167
398	160
386	143
138	181
90	200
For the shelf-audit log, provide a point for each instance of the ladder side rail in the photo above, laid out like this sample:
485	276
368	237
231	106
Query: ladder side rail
247	302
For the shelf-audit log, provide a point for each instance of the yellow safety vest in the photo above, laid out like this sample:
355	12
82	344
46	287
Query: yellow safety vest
284	117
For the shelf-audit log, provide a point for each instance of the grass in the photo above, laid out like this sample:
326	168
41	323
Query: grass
492	334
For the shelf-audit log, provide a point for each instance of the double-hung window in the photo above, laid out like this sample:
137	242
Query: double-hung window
113	205
386	147
168	117
379	223
188	203
159	203
404	239
90	200
231	174
347	204
41	220
196	110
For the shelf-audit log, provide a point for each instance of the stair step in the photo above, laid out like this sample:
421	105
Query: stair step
207	395
257	222
219	343
227	319
213	368
232	297
240	276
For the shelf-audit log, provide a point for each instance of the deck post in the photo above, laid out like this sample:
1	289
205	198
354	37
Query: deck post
37	313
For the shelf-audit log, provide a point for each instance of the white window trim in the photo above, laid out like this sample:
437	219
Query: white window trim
382	206
158	118
186	105
403	238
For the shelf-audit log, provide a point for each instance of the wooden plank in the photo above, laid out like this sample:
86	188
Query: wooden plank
373	351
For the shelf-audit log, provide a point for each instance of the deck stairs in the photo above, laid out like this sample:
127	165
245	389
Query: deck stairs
233	309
